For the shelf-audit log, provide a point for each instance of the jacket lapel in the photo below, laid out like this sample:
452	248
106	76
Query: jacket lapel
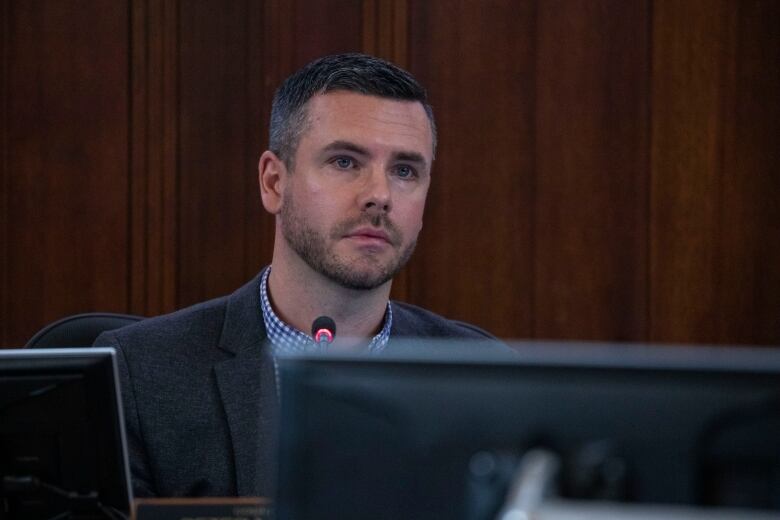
247	386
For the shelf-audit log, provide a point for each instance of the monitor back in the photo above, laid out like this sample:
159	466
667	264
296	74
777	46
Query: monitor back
62	445
439	436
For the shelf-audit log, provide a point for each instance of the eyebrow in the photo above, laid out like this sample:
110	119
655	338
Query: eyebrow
410	157
347	146
407	156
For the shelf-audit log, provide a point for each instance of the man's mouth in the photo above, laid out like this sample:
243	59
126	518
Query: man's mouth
370	236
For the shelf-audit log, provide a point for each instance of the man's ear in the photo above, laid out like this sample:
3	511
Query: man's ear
272	177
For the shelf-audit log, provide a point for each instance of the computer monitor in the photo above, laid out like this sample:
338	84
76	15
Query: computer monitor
62	446
441	435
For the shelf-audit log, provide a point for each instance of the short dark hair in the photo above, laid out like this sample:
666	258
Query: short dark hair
350	72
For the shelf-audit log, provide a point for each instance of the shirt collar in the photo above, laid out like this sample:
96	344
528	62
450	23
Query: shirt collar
286	339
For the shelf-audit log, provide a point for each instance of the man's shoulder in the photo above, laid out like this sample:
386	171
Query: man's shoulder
200	326
196	324
413	321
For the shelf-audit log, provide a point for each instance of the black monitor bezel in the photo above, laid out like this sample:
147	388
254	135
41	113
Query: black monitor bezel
98	369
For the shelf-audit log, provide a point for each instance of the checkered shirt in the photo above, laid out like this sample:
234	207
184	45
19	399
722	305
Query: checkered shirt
286	340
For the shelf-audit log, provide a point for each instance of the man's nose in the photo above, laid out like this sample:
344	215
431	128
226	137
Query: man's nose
375	197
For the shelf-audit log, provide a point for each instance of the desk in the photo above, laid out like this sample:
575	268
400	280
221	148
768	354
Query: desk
227	508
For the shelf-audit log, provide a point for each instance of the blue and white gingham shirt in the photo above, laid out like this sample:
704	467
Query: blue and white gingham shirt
287	340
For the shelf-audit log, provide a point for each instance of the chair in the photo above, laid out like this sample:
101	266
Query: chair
79	330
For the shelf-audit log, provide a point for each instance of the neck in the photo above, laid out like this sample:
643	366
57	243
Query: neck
299	295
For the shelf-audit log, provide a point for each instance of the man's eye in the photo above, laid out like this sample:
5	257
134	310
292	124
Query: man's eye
405	172
344	163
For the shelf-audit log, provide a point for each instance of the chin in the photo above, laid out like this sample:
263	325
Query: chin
361	279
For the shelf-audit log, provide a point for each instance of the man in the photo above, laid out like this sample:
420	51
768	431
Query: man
352	142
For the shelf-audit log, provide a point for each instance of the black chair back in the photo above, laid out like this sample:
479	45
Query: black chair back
79	330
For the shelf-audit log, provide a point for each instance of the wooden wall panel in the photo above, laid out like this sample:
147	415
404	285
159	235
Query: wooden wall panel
475	252
715	222
386	29
153	156
220	140
750	221
65	167
298	31
591	171
6	222
258	225
606	169
214	171
325	27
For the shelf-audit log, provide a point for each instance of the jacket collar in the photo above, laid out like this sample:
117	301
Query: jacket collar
247	385
243	327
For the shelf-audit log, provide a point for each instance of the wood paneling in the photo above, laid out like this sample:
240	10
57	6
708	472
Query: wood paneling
750	200
475	253
65	161
606	169
715	271
153	156
258	225
590	194
5	219
325	27
220	139
214	171
386	29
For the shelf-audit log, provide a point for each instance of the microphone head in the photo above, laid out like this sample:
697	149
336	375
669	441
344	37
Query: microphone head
323	329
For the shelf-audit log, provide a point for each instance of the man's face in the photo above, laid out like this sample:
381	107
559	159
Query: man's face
353	206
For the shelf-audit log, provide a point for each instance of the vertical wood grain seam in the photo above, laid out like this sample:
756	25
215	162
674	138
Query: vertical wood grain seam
385	30
247	31
4	90
646	334
532	185
151	53
270	44
171	172
369	26
129	158
154	156
138	213
156	125
144	156
139	153
653	294
717	242
401	39
131	122
727	107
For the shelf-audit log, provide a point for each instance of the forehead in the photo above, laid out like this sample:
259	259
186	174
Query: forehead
370	121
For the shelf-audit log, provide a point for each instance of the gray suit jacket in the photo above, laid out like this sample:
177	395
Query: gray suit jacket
199	394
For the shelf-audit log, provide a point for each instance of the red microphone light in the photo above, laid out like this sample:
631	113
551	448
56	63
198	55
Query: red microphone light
323	335
323	330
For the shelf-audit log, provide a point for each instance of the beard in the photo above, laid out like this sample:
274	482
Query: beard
363	271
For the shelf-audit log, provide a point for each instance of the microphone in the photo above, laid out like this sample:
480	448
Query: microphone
323	330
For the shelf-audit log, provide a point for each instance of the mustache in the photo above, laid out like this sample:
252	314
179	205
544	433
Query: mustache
380	222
